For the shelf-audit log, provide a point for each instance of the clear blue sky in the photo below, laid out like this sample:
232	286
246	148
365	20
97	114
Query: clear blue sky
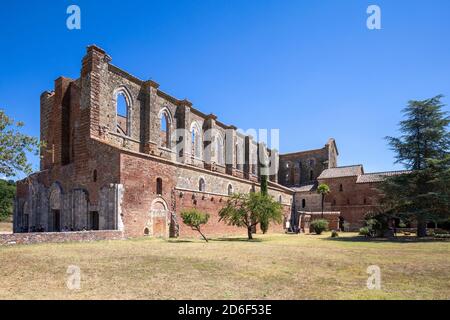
310	68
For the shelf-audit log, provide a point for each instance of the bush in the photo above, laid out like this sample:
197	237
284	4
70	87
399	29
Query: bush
402	225
365	231
334	234
377	225
319	226
442	236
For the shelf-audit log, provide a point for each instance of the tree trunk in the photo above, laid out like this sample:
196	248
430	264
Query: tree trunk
323	200
250	232
202	235
421	229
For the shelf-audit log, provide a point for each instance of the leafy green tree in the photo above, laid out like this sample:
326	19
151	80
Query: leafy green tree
14	146
7	192
265	191
247	210
323	190
423	148
264	184
195	219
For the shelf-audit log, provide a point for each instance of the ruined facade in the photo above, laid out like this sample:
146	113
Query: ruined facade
120	154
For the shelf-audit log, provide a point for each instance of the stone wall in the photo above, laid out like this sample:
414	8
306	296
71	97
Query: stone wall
33	238
298	169
88	166
307	217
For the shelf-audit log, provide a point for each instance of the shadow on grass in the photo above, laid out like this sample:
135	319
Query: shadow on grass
385	240
181	241
235	240
214	240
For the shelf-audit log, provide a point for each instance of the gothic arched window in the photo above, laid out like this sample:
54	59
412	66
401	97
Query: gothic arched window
164	130
123	107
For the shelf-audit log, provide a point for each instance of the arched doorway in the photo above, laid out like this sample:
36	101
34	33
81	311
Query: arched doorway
55	209
159	219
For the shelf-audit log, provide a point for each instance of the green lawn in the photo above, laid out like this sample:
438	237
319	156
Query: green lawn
271	267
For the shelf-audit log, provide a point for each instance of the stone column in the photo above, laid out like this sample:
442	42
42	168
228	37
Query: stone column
93	72
275	165
151	126
248	156
183	135
209	145
230	150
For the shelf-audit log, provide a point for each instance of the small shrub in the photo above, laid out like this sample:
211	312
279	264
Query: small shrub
319	226
442	236
195	219
334	234
365	231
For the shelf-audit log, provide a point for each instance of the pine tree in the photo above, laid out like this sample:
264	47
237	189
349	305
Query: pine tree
423	148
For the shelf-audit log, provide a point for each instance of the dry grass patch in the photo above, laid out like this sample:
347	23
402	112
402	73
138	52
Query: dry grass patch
272	267
6	227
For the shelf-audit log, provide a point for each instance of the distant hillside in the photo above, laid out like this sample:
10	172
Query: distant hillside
7	193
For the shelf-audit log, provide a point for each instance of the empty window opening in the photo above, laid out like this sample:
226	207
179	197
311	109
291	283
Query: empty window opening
159	186
122	114
196	143
56	221
202	185
94	220
165	131
230	190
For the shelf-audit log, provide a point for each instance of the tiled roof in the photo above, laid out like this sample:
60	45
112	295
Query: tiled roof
378	176
349	171
305	188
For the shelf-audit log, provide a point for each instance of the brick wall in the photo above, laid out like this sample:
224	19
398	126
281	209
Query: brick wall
354	201
33	238
139	174
93	168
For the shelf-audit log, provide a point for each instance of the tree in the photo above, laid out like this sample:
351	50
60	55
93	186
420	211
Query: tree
323	190
14	146
264	184
247	210
423	148
195	219
7	192
265	191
